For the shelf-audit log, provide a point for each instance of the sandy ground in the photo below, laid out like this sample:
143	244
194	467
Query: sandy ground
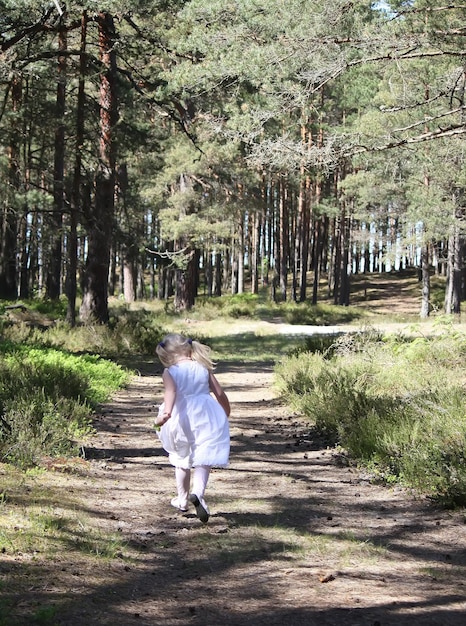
295	536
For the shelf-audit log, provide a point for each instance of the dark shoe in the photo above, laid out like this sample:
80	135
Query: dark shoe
201	511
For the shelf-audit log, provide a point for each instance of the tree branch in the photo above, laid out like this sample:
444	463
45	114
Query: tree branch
26	32
430	118
451	131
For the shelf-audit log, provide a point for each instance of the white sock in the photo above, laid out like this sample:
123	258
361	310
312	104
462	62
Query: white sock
200	479
183	481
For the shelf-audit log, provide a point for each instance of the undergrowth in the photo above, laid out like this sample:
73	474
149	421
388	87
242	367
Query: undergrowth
260	307
53	376
395	404
47	397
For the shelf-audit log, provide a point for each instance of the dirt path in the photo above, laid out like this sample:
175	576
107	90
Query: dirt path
294	538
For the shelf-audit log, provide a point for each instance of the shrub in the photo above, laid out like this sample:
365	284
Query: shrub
41	427
392	403
47	398
128	332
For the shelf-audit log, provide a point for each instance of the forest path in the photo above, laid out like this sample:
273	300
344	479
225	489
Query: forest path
294	538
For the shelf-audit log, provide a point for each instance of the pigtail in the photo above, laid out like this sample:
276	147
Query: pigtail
175	345
201	354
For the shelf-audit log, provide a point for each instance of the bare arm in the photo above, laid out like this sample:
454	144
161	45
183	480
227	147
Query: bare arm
218	392
169	396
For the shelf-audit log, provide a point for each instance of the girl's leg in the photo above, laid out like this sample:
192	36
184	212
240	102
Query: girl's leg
200	479
201	475
183	481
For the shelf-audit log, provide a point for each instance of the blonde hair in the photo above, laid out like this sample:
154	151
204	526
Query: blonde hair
175	346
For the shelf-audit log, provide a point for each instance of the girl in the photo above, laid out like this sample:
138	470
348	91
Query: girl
194	427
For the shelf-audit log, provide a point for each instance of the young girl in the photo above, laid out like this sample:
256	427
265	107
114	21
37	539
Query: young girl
194	426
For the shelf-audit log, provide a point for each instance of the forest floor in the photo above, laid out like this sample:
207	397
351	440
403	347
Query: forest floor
296	535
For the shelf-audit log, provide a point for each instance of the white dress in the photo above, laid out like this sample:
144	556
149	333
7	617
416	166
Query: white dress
197	432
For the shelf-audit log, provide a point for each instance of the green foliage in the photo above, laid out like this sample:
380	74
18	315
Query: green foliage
259	306
44	615
234	306
47	391
249	346
394	404
318	314
47	397
128	332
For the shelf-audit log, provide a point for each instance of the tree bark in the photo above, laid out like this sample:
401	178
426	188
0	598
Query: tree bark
425	303
129	279
185	289
304	218
344	282
218	274
9	225
453	289
240	256
303	235
283	238
94	305
72	248
318	245
53	277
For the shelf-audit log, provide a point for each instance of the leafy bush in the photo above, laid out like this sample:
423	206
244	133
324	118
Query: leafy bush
392	403
129	332
47	391
228	306
318	314
41	427
259	306
47	397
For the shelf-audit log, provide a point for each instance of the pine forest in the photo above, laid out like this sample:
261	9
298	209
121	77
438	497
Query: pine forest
170	149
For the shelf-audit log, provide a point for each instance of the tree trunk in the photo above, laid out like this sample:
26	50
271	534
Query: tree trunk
53	278
268	231
344	282
318	245
24	238
94	305
284	238
303	226
129	280
72	248
425	303
304	217
186	284
336	259
9	226
209	273
453	290
240	256
255	252
23	259
218	274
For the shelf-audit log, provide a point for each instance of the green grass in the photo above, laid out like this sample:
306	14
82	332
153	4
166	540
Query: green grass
39	516
43	525
250	347
129	331
260	307
47	397
394	404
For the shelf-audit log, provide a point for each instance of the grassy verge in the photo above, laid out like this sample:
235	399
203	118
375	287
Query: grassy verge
47	532
47	397
396	405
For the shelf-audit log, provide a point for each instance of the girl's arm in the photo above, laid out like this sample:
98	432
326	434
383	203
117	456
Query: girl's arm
169	396
218	392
